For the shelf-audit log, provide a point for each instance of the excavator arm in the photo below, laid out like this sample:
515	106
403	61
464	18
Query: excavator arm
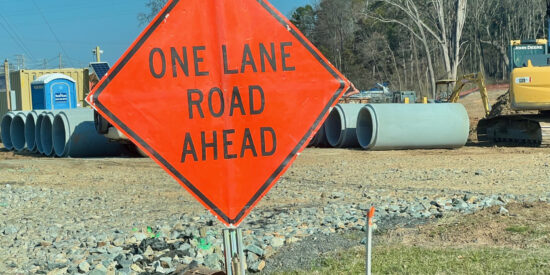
479	80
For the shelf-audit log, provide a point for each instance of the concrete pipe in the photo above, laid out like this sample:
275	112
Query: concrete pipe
46	133
30	133
37	132
75	135
412	126
17	131
320	138
340	126
5	130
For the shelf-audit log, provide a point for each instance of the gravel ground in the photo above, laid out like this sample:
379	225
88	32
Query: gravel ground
99	216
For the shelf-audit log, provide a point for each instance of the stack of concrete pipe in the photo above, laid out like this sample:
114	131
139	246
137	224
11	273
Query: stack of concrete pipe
60	133
395	126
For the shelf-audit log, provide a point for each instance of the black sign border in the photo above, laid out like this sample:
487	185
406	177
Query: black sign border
112	74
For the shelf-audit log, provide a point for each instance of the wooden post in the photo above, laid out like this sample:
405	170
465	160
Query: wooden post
97	51
8	85
369	241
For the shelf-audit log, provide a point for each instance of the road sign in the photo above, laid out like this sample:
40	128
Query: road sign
222	95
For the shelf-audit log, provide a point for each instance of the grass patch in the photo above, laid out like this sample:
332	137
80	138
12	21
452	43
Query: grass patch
481	243
420	260
517	229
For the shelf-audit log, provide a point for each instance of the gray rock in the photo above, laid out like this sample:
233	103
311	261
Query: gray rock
257	266
277	242
459	203
503	211
161	267
166	261
136	258
114	250
84	267
99	270
118	242
10	229
140	237
251	257
255	249
213	261
416	215
393	208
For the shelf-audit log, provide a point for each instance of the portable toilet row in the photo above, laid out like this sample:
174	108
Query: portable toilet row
53	91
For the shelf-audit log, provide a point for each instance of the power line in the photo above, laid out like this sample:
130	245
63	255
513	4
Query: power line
15	36
51	29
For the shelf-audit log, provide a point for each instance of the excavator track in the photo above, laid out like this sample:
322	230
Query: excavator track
515	130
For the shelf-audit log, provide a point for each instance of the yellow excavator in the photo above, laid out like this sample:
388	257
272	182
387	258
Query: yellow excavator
528	121
475	78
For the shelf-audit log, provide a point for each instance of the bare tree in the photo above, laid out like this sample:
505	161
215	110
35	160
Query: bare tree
438	20
154	6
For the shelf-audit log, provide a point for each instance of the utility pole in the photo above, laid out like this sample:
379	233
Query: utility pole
8	86
97	52
45	63
60	61
20	61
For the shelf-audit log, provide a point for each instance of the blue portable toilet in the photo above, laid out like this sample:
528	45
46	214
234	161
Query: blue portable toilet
53	91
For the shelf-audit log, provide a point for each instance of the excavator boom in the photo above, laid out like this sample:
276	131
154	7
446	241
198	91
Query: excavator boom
479	80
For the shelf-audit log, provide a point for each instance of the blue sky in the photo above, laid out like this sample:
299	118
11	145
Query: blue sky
73	28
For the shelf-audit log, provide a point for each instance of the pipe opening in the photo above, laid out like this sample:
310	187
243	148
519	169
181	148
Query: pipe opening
60	136
38	134
30	126
334	128
46	135
365	128
5	129
17	132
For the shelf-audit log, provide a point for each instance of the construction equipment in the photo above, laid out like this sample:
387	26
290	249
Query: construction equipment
475	78
525	120
381	93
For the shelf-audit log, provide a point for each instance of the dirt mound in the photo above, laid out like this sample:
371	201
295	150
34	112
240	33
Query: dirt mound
502	106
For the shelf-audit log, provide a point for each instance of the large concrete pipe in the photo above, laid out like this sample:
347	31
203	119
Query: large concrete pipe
411	126
75	135
5	130
46	134
320	138
37	132
17	131
340	126
30	131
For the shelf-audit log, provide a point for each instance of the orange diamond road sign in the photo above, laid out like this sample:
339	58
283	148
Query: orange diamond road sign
222	95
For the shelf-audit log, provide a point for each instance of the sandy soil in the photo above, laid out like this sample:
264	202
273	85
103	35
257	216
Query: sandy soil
316	174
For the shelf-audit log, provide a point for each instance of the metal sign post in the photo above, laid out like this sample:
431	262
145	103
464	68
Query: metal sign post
235	261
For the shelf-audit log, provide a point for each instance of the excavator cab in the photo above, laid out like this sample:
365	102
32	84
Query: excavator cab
529	75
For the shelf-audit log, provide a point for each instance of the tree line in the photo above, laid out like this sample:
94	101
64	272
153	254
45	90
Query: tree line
414	43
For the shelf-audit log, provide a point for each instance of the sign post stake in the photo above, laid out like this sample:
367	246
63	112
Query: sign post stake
369	241
235	261
240	246
227	251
